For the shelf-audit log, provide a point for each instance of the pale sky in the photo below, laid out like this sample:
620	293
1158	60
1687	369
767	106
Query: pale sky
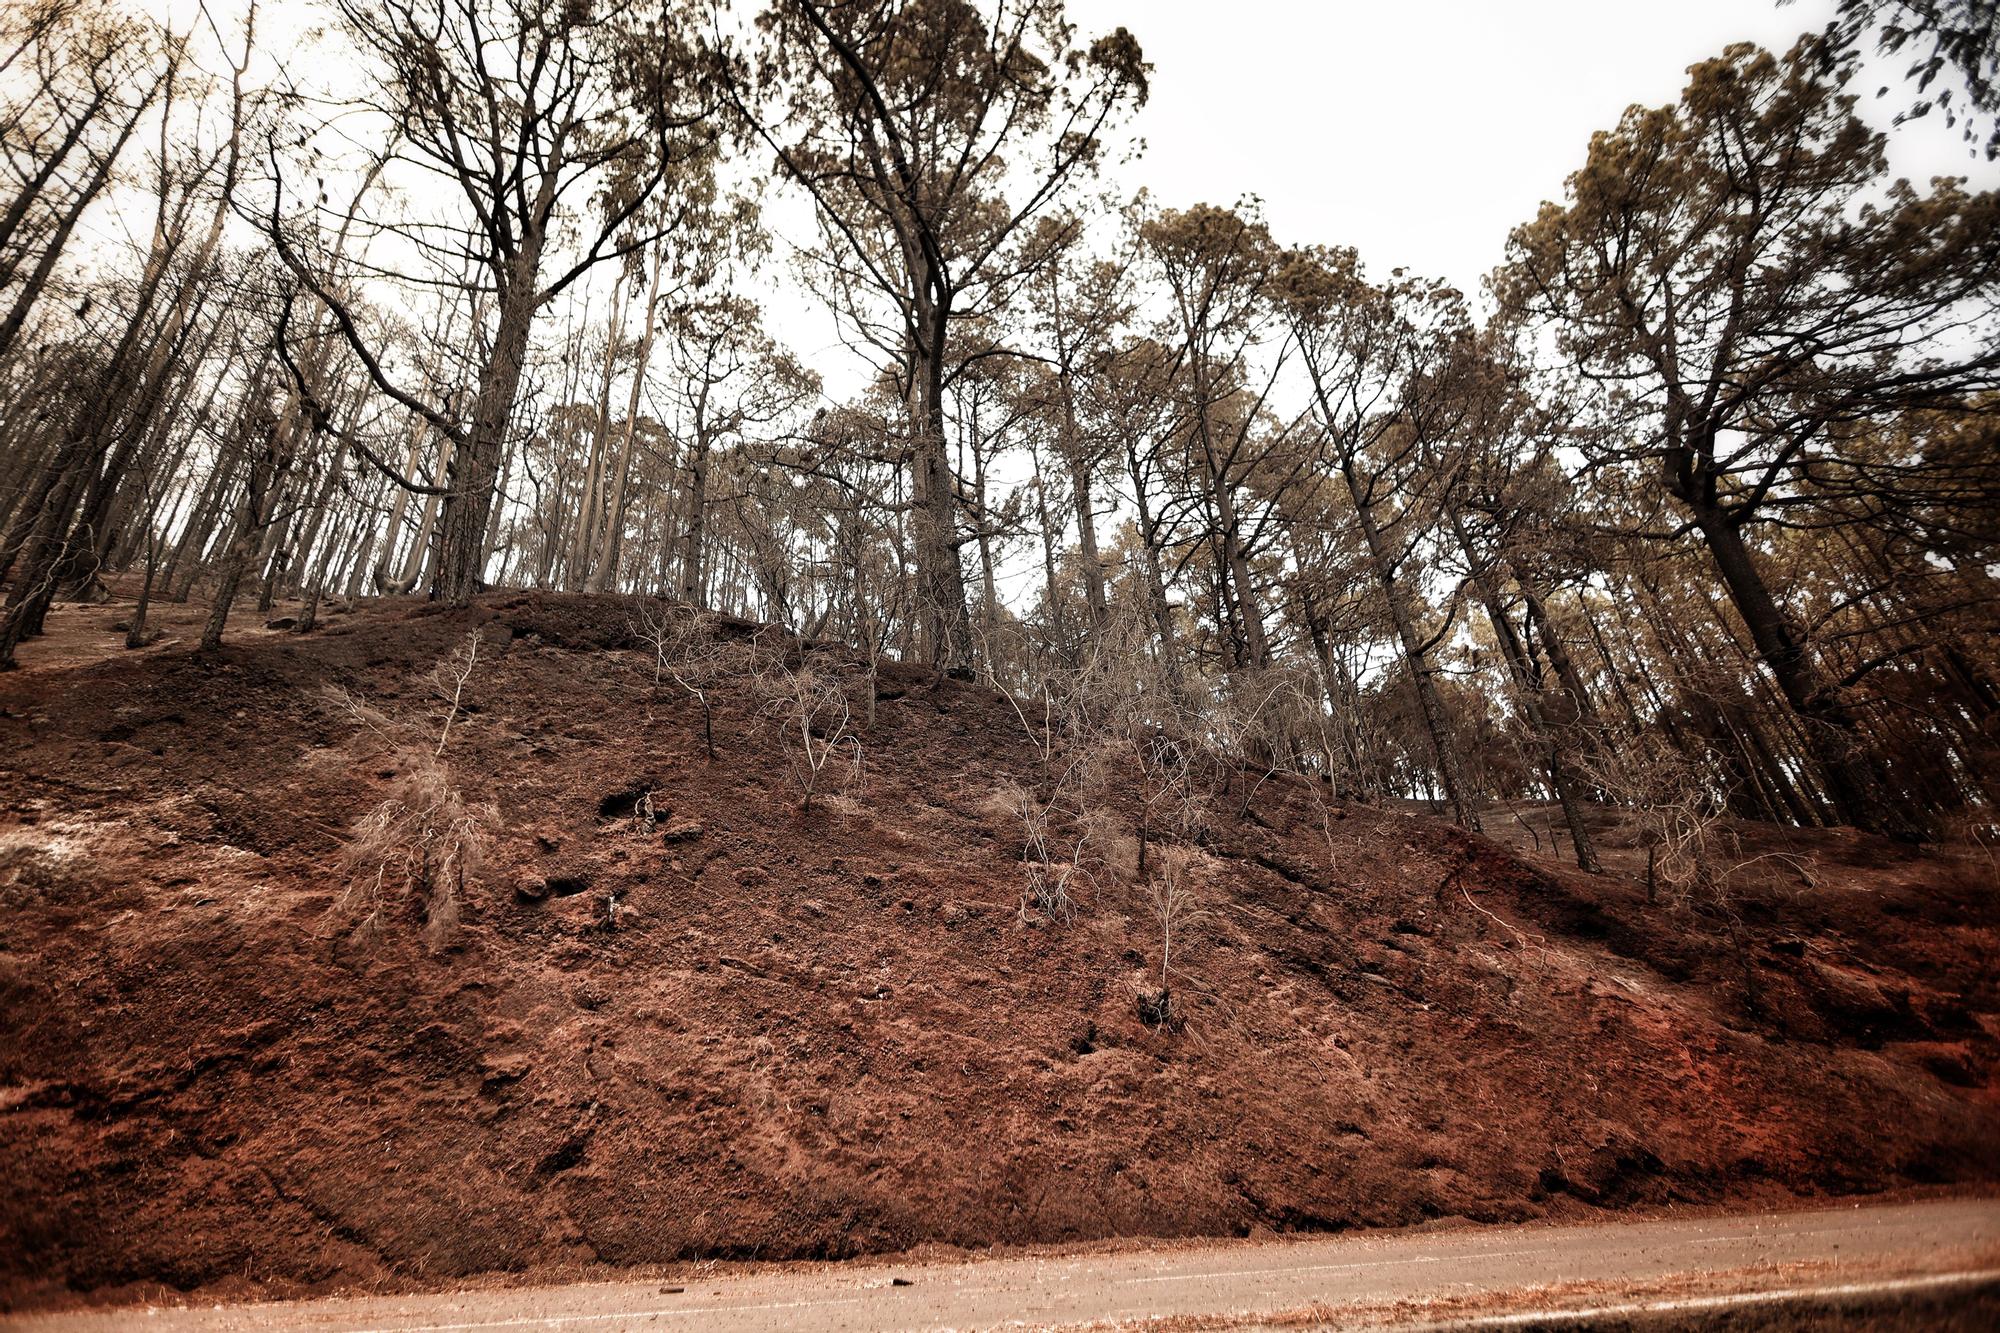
1421	132
1418	132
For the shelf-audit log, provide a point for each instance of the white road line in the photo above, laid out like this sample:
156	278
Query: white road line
557	1320
1338	1268
1266	1272
1781	1233
1883	1288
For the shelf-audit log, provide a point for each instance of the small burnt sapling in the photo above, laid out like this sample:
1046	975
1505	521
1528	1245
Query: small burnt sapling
806	702
1173	895
687	650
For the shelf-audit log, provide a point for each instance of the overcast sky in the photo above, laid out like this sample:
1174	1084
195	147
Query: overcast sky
1418	132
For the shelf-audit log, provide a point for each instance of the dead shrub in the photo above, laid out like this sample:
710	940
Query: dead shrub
417	850
687	650
1118	726
1174	895
1670	814
1064	845
1266	719
1691	860
806	702
418	846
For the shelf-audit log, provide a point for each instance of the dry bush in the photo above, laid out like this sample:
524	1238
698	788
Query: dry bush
416	851
807	703
1047	887
1157	749
1668	812
1691	859
1167	773
1109	730
1116	727
1043	719
1065	845
1270	720
1175	896
687	650
418	846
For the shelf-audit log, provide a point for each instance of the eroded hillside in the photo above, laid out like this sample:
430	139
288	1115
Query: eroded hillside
676	1017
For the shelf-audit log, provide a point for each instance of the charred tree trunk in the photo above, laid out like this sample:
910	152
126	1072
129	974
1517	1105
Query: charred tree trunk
1833	734
1528	690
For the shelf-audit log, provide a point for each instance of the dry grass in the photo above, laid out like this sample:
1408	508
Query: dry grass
414	854
1065	844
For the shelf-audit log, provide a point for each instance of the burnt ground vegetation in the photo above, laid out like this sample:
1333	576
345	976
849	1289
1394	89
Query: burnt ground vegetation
674	1016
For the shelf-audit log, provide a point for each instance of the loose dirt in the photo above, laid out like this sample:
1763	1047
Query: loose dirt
678	1020
1926	1267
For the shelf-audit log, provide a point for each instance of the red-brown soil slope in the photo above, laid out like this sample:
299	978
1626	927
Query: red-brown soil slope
825	1034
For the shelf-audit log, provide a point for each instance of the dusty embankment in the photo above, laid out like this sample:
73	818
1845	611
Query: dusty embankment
1927	1266
826	1034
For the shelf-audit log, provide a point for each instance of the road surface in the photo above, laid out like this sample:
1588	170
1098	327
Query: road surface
1640	1274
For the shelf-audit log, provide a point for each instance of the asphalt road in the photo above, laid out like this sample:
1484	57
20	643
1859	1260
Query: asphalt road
1636	1274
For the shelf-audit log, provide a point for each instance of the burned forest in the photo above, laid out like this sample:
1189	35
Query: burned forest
644	633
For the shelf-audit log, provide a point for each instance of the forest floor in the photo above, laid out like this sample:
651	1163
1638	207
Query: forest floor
679	1020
